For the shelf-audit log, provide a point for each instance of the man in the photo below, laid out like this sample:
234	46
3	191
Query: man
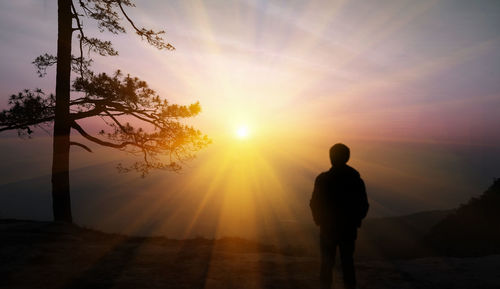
338	205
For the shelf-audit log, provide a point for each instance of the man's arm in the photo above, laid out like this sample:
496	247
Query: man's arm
315	203
363	201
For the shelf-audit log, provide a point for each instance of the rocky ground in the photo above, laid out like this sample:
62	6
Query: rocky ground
48	255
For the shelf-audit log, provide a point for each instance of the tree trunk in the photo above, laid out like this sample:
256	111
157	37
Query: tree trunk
61	203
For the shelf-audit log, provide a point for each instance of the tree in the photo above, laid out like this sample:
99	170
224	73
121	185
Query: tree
114	98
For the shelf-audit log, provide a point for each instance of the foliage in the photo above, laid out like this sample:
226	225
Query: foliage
117	99
27	109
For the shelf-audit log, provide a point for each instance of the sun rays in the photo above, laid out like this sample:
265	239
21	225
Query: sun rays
279	83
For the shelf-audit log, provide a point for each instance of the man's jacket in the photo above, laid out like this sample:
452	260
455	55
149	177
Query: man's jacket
339	201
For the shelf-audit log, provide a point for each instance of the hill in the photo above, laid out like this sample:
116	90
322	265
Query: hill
397	237
471	230
48	255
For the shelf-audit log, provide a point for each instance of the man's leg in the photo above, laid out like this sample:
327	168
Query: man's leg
328	248
346	248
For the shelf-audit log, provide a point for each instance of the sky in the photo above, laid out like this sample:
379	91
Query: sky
412	87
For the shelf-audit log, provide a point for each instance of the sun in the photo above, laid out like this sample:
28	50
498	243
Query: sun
242	132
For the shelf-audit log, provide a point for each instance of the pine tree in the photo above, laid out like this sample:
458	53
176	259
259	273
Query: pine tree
110	97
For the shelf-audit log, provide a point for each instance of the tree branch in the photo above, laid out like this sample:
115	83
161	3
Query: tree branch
89	113
135	112
79	129
152	37
82	36
11	126
73	143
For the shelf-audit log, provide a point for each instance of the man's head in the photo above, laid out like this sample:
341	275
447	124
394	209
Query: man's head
339	154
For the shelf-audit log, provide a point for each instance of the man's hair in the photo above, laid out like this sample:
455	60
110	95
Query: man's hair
339	154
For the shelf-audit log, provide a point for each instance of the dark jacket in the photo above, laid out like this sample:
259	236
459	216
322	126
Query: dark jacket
339	201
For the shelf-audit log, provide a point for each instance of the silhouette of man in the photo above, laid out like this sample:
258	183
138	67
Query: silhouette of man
338	205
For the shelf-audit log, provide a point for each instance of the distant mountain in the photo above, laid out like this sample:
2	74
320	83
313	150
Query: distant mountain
397	237
379	238
472	230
